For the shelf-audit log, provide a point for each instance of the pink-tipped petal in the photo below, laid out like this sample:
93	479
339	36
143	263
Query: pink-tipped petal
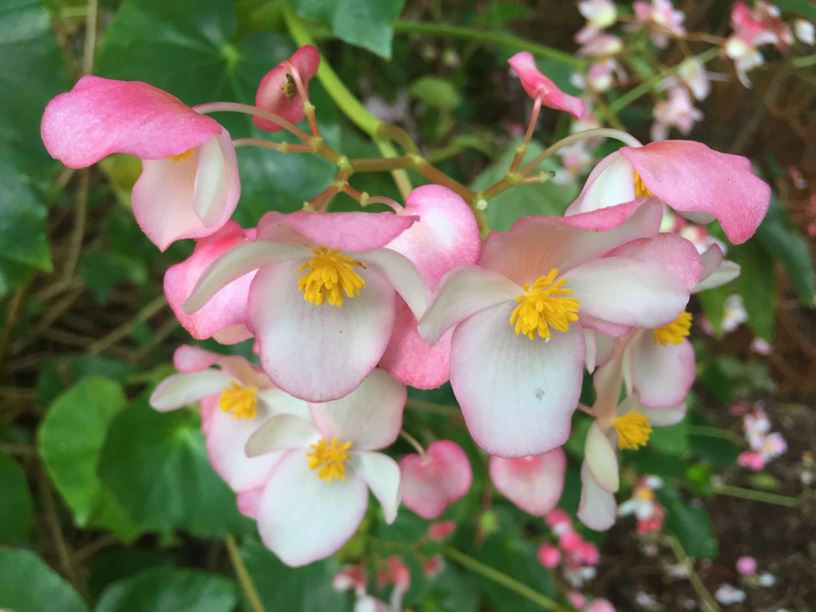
370	417
662	374
597	507
277	92
611	182
189	358
382	475
532	483
716	270
99	117
188	198
227	308
248	502
352	232
540	87
601	458
180	390
280	433
674	253
302	518
517	395
692	178
318	353
433	481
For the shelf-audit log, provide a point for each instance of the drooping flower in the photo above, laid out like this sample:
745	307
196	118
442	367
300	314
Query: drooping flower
322	304
517	351
532	483
445	237
692	179
662	20
433	481
317	492
754	27
540	87
189	184
278	91
236	398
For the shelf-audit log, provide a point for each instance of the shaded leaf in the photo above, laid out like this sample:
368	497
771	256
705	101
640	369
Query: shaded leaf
29	585
15	504
689	524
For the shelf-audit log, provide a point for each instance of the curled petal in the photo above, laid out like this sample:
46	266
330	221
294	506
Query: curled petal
282	432
601	458
597	507
181	390
542	88
403	276
277	92
662	374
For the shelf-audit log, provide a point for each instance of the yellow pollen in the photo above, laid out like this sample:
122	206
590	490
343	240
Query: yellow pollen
641	190
181	156
330	274
544	305
644	494
239	402
633	430
676	331
329	459
289	86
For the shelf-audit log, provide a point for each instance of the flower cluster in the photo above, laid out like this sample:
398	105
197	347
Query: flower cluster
765	445
345	310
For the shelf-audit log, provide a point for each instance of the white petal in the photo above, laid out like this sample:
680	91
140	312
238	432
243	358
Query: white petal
601	459
597	507
210	182
182	389
664	417
280	402
402	275
382	475
282	432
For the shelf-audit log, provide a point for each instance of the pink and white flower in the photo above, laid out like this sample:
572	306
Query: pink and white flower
678	112
518	351
644	505
279	92
754	27
662	20
600	14
317	492
541	88
433	481
532	483
189	184
322	304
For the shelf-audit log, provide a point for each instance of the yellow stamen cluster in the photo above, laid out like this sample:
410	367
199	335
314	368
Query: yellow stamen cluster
328	275
544	305
676	331
289	86
633	430
239	401
181	156
641	190
329	459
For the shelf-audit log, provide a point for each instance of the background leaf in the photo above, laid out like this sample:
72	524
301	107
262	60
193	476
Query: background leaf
29	585
15	504
689	524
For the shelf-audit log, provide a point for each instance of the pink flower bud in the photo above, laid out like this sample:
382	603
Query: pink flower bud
549	556
746	566
441	530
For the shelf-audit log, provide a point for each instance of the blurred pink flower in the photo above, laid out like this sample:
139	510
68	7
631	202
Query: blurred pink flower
541	88
600	14
662	20
747	566
678	111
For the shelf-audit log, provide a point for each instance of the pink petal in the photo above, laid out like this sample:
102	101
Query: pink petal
433	481
102	116
446	237
318	353
601	458
248	502
188	198
536	245
716	270
539	86
189	358
271	95
675	254
517	395
370	416
597	507
227	308
532	483
692	178
662	374
348	231
382	475
302	518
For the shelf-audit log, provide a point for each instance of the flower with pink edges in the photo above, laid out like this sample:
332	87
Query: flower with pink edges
532	483
764	444
317	493
662	20
754	27
434	480
189	185
322	304
644	505
279	91
541	88
507	353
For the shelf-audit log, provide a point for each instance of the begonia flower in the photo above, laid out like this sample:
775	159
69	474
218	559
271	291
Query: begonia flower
661	18
322	304
541	88
445	237
433	481
189	184
518	350
224	317
600	14
278	91
236	398
692	72
350	577
548	556
644	505
678	112
317	492
692	179
532	483
754	27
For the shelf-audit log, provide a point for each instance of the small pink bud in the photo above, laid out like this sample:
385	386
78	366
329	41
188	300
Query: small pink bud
571	541
433	566
746	566
549	556
441	530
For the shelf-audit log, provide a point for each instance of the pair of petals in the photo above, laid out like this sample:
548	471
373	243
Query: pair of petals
540	87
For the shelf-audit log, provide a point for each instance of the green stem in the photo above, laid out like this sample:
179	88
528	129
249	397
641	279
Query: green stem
243	575
379	165
235	107
708	603
503	579
804	62
715	432
503	40
754	495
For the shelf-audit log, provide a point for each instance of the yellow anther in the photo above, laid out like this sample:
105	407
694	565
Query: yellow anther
181	156
544	305
641	190
330	274
289	86
633	430
676	331
329	459
239	401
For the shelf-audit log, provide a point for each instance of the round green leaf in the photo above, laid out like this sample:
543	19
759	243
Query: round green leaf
29	585
15	505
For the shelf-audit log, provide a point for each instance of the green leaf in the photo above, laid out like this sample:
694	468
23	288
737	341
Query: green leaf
157	466
69	441
523	200
15	506
29	585
364	23
803	8
670	440
756	286
436	92
162	590
782	241
689	524
33	71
